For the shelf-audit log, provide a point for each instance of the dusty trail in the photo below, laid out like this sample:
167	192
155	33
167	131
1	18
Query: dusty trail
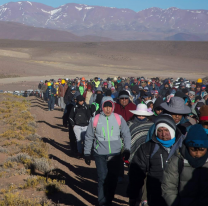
80	179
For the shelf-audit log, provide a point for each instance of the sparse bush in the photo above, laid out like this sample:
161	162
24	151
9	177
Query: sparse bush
33	137
36	149
9	164
32	124
19	158
42	165
14	199
3	150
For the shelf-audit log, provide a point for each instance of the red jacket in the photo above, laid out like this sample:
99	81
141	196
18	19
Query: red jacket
124	111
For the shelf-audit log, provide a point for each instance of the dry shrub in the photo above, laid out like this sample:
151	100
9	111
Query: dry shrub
36	149
42	165
33	137
3	150
16	199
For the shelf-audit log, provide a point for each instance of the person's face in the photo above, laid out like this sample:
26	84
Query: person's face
107	110
177	117
166	85
163	134
134	92
191	96
158	111
126	87
196	152
198	89
73	91
112	90
81	103
151	106
98	92
156	95
141	117
106	86
124	101
146	99
96	80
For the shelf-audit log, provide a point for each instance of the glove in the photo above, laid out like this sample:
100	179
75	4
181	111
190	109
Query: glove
126	154
87	159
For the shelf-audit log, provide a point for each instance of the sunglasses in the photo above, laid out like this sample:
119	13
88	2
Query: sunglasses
123	98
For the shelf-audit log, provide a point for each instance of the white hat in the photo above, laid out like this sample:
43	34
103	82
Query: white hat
67	79
142	110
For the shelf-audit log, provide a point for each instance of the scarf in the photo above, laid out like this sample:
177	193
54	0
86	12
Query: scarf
167	143
141	120
206	130
195	162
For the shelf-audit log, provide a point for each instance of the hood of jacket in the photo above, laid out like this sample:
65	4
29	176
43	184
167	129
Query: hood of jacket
106	99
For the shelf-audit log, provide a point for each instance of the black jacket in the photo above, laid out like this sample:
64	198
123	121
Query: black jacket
150	160
79	115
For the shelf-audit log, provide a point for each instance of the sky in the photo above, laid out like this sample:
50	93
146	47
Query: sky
136	5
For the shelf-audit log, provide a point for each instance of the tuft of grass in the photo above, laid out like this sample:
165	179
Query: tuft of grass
42	165
36	149
9	164
3	150
16	199
33	137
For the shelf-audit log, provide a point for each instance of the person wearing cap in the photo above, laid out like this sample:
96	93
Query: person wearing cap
95	82
191	95
61	93
165	89
203	91
50	96
88	94
185	178
105	87
107	149
203	117
98	90
139	127
178	110
79	119
149	161
44	88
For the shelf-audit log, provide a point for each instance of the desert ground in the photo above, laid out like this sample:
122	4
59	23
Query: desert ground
24	63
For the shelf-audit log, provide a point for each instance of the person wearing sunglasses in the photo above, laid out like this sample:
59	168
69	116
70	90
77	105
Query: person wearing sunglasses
185	179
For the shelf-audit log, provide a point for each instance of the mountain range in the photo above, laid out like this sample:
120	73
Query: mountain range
118	24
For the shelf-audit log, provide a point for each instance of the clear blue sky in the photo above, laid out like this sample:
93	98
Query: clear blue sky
136	5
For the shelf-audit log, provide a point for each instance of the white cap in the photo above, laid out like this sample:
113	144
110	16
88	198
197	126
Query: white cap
67	79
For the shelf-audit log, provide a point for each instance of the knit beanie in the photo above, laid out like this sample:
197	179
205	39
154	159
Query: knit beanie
203	113
196	137
123	94
80	98
167	122
108	104
108	93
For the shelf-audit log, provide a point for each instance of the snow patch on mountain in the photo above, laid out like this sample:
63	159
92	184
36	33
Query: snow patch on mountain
78	8
56	11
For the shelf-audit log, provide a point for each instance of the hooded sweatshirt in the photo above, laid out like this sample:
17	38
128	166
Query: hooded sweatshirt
106	136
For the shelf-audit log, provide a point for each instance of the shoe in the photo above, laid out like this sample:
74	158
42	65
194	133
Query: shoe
120	180
79	155
52	110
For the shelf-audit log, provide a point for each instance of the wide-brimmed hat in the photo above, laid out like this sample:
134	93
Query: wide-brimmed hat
142	110
176	105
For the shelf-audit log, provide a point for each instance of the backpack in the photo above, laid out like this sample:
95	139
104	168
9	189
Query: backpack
95	122
80	116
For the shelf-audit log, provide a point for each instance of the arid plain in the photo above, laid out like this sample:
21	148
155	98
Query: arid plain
24	63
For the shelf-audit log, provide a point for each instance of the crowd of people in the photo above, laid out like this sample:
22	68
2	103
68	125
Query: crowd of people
157	128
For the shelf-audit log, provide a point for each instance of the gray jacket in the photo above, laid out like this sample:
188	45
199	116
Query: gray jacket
106	138
184	185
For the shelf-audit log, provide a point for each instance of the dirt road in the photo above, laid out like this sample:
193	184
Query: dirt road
80	179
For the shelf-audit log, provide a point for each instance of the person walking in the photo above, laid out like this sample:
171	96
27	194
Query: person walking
185	179
50	96
61	93
149	162
79	119
104	131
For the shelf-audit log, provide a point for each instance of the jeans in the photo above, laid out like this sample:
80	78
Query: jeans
62	104
80	132
107	172
51	103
